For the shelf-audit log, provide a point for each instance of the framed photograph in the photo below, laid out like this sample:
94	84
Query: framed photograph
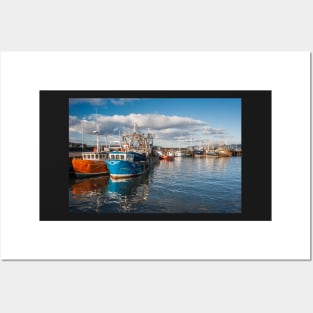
156	155
232	130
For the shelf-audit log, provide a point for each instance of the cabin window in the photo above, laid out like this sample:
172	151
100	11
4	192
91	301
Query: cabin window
122	157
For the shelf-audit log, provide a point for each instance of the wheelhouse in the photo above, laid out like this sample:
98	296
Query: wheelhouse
121	156
94	156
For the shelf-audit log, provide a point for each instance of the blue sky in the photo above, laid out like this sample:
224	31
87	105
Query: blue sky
174	122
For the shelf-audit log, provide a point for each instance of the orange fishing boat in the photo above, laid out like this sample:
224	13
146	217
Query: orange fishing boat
169	157
224	152
91	163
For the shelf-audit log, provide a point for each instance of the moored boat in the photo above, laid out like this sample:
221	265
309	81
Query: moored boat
198	152
224	151
168	157
91	163
187	154
127	164
135	157
211	153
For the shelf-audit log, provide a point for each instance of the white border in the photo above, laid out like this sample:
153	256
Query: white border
23	74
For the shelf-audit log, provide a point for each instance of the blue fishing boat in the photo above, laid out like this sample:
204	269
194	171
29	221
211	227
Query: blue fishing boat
135	156
127	164
198	151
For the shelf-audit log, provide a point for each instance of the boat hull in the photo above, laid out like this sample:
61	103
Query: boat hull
224	154
85	168
198	154
124	168
167	157
211	154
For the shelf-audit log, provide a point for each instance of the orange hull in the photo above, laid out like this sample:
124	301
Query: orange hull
89	167
224	154
167	157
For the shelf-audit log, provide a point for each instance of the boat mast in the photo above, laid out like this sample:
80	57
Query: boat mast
82	135
134	131
97	138
97	132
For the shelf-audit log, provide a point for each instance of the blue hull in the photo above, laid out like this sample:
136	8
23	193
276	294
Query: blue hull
123	168
127	164
198	152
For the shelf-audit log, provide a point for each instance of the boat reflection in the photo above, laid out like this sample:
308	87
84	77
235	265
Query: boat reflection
89	186
128	191
221	164
218	165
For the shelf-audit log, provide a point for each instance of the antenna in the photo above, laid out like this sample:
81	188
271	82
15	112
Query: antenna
97	131
82	135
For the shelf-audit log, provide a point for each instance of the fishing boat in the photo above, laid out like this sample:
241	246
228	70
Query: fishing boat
211	153
134	159
178	153
168	157
91	163
154	157
127	164
198	151
224	152
187	154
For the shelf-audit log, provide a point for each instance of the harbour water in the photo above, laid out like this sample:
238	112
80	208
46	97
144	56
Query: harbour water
186	185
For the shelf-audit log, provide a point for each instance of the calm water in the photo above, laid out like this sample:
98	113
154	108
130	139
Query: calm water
186	185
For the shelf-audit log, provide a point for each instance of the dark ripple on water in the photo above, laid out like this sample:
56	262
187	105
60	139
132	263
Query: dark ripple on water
186	185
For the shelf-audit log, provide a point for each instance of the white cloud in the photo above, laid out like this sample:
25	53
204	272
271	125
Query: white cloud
122	101
165	128
92	101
